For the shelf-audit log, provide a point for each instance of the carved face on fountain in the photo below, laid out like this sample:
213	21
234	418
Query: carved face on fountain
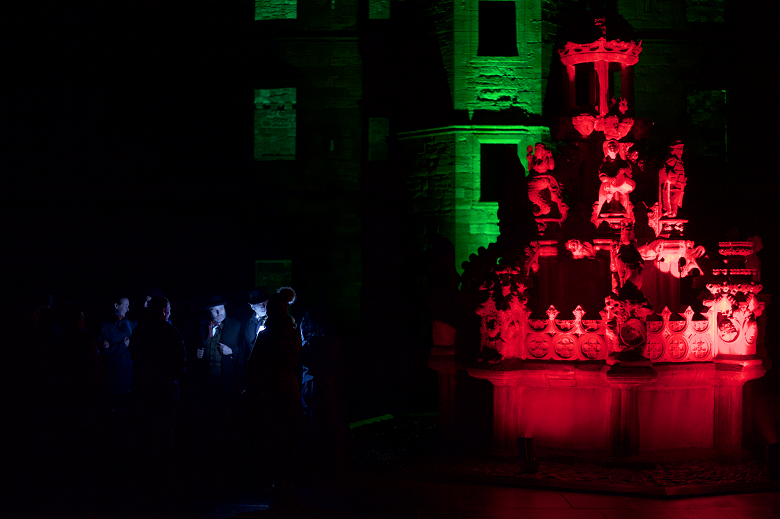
540	151
611	149
677	151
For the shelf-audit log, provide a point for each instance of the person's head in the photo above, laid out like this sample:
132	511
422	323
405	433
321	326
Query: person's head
155	292
122	306
218	313
159	308
258	300
216	308
279	302
676	149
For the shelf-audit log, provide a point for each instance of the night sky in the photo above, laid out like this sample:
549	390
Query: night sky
126	152
127	146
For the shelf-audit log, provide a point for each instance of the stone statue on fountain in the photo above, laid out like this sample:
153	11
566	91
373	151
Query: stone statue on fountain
616	183
672	181
540	166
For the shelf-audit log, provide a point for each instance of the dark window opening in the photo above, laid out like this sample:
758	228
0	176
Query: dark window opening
497	29
493	160
585	85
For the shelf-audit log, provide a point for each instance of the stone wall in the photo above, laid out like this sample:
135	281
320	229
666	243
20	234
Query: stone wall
275	124
498	82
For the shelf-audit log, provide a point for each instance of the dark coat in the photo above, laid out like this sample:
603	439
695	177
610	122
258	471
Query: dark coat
231	337
116	358
271	369
248	337
159	357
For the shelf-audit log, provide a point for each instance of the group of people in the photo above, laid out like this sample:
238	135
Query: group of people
226	393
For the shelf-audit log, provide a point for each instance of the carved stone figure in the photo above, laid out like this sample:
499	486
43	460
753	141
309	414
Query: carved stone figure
613	126
616	184
580	249
502	324
540	164
733	309
628	310
671	178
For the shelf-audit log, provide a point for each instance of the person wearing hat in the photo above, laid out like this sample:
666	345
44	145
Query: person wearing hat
672	179
218	349
258	299
255	325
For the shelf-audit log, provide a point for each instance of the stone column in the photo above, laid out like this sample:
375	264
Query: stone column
626	87
602	70
624	416
442	360
733	371
571	89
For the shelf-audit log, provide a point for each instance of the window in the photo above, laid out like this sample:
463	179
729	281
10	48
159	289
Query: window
273	274
492	162
707	116
378	133
275	124
497	29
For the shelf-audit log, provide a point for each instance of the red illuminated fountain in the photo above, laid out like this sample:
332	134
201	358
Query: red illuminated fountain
593	336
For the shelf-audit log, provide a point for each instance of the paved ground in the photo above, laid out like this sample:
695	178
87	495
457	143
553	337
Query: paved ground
378	498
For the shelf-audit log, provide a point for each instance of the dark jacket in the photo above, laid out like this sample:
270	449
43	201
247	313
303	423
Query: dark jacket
159	357
248	337
231	337
271	369
116	358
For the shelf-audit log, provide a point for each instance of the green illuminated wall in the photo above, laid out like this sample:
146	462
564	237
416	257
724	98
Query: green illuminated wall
275	124
498	82
276	9
445	184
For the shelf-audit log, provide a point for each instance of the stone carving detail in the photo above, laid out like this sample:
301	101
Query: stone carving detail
504	316
537	344
616	184
700	326
580	249
732	312
672	180
662	216
700	346
626	326
626	53
678	326
540	166
655	326
565	345
612	126
654	349
678	346
591	345
669	253
532	257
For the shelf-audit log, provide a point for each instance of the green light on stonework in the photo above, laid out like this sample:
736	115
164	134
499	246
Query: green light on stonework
276	9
